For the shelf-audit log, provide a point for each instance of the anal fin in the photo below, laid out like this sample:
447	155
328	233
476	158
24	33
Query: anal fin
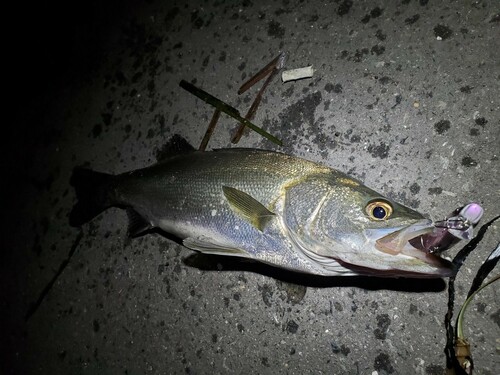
207	246
136	223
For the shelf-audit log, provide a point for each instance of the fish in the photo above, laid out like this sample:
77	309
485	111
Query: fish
265	206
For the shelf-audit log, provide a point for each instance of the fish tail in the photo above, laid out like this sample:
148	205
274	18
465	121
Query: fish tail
93	191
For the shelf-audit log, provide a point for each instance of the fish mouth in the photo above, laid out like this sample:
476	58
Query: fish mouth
398	242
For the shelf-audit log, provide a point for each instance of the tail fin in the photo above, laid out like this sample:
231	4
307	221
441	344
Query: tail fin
93	193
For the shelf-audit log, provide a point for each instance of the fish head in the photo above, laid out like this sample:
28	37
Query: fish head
367	233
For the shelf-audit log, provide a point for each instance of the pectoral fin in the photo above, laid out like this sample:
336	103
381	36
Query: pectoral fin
205	245
248	207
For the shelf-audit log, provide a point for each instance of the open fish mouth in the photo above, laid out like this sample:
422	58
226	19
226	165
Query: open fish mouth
398	242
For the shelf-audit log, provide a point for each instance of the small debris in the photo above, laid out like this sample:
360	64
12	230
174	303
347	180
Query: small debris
296	74
276	64
270	70
227	109
210	130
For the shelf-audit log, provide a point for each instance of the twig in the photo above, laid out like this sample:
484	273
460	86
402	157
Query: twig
270	69
210	130
277	63
227	109
253	108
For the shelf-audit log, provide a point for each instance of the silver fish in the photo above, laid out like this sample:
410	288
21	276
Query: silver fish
266	206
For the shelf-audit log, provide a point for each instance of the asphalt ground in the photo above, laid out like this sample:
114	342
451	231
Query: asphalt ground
404	97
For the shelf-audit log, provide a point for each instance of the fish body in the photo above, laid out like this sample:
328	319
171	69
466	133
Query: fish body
266	206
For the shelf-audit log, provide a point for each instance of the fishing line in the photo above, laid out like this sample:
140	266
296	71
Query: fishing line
451	359
484	270
34	306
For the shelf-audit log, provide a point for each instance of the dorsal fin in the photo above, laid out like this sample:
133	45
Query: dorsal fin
176	145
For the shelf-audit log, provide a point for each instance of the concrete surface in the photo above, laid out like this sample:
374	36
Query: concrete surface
405	97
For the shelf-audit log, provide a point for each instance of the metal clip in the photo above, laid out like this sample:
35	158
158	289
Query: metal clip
455	223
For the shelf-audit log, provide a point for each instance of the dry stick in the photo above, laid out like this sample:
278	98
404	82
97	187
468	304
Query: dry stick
276	63
253	108
226	108
272	69
210	130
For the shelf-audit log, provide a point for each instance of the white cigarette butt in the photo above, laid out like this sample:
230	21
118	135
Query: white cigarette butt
295	74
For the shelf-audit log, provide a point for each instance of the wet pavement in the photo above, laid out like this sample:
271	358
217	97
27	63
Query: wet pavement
404	97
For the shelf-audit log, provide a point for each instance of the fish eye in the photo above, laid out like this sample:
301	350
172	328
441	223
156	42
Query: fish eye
379	210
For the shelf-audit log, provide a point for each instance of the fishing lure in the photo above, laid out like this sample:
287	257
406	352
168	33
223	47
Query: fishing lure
459	225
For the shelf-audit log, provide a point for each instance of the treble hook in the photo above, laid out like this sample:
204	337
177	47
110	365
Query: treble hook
456	223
